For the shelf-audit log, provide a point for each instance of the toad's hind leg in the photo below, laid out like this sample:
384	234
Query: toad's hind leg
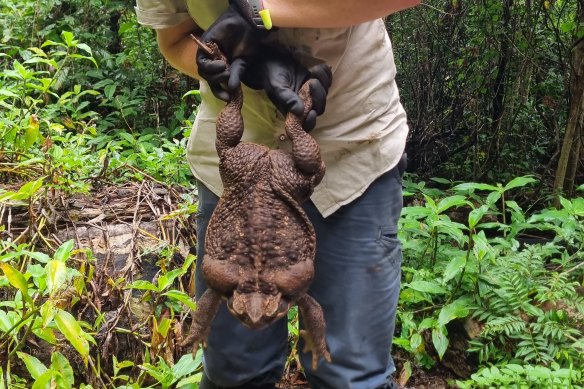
314	335
207	308
230	123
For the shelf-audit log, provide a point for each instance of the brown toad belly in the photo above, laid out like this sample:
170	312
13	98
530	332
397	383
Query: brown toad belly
262	245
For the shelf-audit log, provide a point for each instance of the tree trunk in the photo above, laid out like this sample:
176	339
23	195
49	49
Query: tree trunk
570	155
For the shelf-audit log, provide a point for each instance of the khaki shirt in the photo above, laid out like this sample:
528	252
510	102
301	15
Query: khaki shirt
362	133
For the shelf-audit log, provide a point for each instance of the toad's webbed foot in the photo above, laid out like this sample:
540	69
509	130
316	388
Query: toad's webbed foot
207	308
314	335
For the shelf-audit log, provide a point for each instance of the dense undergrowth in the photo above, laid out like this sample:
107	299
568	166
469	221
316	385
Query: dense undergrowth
492	275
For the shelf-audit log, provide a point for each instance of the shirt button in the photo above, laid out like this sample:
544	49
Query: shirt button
282	137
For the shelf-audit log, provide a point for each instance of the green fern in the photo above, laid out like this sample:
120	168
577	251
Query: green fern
525	377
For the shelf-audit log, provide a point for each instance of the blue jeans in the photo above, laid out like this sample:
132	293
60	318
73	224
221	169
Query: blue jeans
357	282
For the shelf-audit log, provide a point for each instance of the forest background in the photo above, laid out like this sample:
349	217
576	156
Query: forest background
97	202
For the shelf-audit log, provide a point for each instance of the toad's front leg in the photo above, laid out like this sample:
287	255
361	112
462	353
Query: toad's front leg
314	335
305	150
207	308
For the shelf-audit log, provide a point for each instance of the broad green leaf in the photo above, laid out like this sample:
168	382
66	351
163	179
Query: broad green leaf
451	201
56	152
454	267
68	38
430	202
188	262
515	368
475	216
427	287
7	92
578	206
56	272
187	365
428	322
440	340
79	56
472	185
513	206
44	381
109	91
48	312
16	279
22	71
167	279
33	365
61	364
127	137
182	297
452	229
38	52
164	326
191	382
5	322
440	180
46	334
121	365
539	372
493	197
69	327
27	190
454	310
64	251
85	48
49	42
415	341
519	181
41	257
142	285
416	211
481	246
32	133
38	276
30	188
125	27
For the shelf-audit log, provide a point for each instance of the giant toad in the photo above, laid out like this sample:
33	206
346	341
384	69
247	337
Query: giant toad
259	244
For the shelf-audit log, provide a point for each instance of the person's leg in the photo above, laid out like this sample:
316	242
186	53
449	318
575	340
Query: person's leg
357	283
236	355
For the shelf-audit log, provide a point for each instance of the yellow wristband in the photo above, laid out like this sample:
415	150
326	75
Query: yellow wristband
266	18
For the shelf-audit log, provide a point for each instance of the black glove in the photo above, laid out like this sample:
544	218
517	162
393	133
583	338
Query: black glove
238	39
282	76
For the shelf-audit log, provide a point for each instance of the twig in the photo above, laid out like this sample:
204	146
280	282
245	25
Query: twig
575	268
439	10
203	46
98	375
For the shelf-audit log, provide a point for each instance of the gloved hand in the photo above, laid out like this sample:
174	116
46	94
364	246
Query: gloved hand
281	76
238	39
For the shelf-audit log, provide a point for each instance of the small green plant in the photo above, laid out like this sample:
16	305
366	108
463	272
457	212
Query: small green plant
524	377
178	376
59	374
41	294
465	260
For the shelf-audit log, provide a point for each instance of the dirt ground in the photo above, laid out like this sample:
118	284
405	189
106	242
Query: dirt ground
436	378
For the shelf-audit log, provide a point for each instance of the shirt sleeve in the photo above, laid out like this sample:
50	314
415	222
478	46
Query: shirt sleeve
159	14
